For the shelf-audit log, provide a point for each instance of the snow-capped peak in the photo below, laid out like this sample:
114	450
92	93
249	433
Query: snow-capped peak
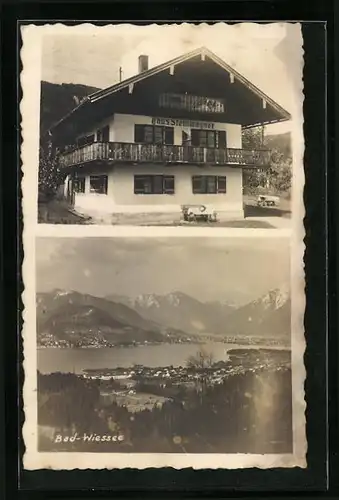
275	298
147	300
173	299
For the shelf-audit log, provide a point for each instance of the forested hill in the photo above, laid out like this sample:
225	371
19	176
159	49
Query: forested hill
281	142
59	99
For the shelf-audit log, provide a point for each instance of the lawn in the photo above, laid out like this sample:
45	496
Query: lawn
59	212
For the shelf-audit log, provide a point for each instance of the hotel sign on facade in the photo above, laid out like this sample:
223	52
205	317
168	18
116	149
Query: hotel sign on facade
171	122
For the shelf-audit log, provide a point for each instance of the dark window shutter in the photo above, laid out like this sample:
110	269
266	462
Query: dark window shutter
158	135
139	133
169	135
221	139
197	184
105	134
148	134
168	184
222	184
211	184
195	137
157	184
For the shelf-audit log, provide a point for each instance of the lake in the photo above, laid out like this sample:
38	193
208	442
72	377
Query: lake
75	360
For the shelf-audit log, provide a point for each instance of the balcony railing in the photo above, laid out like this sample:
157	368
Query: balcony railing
153	153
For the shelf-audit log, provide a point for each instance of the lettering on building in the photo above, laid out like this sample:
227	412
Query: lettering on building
172	122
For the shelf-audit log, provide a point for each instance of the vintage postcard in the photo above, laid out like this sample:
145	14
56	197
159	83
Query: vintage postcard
163	238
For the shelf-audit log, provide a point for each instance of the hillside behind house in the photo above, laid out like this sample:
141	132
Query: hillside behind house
56	100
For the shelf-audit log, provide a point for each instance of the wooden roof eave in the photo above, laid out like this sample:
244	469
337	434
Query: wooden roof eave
92	98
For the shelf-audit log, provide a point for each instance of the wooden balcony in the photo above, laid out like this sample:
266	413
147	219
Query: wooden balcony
122	152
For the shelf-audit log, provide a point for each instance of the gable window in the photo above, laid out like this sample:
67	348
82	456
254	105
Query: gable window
154	184
98	184
208	138
151	134
209	184
103	134
79	184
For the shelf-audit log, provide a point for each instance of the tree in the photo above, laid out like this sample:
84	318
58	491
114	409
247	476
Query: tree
201	363
278	175
201	360
49	171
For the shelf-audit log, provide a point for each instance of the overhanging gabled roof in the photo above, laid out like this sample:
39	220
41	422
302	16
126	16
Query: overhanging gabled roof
281	113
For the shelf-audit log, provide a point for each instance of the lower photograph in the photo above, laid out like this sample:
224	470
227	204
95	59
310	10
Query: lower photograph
178	347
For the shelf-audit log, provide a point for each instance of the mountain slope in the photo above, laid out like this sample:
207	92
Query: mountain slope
268	316
181	311
59	99
74	316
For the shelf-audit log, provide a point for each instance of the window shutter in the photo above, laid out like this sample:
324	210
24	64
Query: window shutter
105	134
157	184
197	184
148	134
222	184
169	135
221	138
158	139
138	133
195	137
168	184
211	184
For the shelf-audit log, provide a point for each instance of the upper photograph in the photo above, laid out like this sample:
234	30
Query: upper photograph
174	125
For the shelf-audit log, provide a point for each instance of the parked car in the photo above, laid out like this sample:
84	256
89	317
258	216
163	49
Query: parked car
198	212
268	201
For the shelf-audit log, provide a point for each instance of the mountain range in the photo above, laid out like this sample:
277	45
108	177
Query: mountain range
180	311
116	319
268	316
81	318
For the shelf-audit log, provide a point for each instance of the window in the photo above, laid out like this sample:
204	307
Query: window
98	184
79	185
154	184
103	134
209	138
151	134
208	184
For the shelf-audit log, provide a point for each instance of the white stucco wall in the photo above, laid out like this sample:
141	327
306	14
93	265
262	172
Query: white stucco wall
120	196
121	129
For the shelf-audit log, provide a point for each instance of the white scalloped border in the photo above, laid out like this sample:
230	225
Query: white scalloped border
29	108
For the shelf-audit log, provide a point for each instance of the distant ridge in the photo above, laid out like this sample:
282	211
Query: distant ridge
59	99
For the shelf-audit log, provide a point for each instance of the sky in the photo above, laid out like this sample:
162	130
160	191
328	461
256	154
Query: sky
265	54
233	270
